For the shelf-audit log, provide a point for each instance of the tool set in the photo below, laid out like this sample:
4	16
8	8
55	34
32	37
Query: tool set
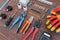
52	23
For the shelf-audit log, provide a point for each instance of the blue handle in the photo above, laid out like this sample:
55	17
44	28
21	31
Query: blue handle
16	20
20	23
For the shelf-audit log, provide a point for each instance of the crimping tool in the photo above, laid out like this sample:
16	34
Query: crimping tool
27	24
33	30
19	19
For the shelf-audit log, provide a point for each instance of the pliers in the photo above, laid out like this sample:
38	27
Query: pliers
19	20
33	30
26	25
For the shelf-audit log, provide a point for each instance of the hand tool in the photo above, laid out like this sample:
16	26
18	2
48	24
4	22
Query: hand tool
46	2
19	19
7	23
55	16
9	8
33	30
45	36
53	20
6	1
3	16
26	25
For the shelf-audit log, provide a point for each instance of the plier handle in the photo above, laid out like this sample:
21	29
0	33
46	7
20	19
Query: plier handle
33	30
26	25
19	20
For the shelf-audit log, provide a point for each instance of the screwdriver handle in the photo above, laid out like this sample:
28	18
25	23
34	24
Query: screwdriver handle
8	22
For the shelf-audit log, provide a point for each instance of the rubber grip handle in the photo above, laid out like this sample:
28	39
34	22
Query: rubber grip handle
55	21
8	22
52	18
34	34
31	30
24	27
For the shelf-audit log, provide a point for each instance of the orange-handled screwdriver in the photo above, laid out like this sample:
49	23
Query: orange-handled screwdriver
27	24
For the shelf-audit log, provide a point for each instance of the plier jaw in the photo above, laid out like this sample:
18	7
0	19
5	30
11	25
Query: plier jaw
37	24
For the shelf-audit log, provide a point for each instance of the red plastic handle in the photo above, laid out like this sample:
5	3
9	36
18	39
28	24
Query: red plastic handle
34	34
55	21
53	17
25	38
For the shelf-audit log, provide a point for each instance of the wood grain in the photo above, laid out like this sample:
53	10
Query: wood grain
6	34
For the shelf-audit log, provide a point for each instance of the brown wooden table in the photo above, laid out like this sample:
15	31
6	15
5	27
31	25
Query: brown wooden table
6	34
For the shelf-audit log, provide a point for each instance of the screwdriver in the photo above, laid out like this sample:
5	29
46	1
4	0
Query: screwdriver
9	20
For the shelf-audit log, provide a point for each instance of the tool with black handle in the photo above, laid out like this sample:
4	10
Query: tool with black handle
9	21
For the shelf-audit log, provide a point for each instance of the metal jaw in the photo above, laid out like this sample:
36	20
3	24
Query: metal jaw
31	18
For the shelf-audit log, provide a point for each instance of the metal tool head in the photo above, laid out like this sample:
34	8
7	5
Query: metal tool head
37	24
31	18
1	7
23	15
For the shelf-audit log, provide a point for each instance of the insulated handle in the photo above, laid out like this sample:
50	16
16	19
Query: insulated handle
34	34
25	38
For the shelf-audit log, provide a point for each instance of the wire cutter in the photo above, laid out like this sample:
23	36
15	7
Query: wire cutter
27	24
19	19
33	30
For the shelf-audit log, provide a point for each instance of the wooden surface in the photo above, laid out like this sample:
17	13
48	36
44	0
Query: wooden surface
6	34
